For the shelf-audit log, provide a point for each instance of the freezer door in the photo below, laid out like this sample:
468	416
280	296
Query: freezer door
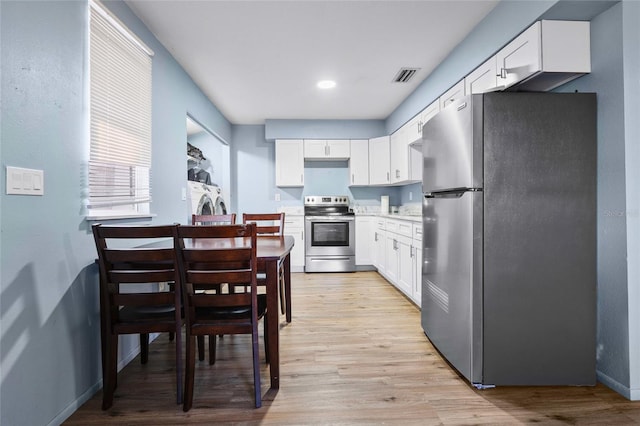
451	280
452	148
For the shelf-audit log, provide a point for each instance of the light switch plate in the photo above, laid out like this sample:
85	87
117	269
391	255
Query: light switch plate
22	181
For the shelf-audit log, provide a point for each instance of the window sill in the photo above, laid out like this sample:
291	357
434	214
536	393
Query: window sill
116	216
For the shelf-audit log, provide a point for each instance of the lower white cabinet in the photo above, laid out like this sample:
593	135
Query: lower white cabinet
399	255
406	273
417	264
379	237
294	226
365	240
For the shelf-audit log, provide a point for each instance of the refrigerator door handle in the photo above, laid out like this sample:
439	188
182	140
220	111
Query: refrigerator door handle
451	193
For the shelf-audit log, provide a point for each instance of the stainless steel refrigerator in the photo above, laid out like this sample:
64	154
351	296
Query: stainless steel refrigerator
509	239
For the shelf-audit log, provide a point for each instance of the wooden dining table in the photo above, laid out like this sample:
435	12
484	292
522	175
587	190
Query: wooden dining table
272	252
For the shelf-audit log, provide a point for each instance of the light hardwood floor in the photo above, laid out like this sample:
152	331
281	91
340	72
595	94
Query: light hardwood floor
354	354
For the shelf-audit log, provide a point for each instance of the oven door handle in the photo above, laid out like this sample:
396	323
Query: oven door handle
331	218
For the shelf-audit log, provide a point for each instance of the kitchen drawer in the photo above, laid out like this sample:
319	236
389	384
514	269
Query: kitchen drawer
392	225
405	228
417	231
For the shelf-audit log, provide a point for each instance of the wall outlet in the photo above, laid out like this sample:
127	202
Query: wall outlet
277	196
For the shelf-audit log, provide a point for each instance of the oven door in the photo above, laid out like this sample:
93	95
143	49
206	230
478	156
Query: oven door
329	235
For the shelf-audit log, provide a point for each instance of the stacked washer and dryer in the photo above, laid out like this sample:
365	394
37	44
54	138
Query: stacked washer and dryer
203	196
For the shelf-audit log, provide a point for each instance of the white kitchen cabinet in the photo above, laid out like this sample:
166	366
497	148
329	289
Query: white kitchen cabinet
359	162
294	226
406	271
483	79
402	263
453	94
379	250
414	126
414	129
365	240
399	156
557	51
417	263
428	113
324	149
289	162
379	161
392	258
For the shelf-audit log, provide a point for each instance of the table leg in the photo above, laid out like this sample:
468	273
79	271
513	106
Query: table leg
287	285
274	322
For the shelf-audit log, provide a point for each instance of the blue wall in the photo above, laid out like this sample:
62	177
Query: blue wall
49	328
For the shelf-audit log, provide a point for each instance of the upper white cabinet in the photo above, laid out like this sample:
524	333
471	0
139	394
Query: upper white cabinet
552	51
428	113
456	92
359	162
413	129
379	161
414	126
483	79
323	149
289	162
399	156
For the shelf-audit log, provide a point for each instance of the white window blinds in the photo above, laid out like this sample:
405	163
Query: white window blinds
120	124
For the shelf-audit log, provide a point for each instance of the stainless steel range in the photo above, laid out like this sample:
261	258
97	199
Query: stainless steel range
329	233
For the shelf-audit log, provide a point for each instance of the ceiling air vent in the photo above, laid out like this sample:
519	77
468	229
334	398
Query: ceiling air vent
405	74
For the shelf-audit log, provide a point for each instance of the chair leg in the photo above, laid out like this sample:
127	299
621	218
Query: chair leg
200	347
266	340
179	366
189	372
109	380
144	348
256	367
281	291
212	349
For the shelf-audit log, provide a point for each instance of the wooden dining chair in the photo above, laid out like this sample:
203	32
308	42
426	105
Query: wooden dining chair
269	224
127	305
211	220
204	263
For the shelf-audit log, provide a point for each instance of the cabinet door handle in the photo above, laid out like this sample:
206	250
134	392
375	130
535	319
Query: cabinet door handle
503	73
302	178
301	235
387	176
352	178
397	173
375	236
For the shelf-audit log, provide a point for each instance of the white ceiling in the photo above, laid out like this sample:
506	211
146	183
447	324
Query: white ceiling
258	60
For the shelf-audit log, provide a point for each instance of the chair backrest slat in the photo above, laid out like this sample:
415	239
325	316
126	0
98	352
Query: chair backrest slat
268	223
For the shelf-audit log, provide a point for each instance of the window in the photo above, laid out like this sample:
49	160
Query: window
120	119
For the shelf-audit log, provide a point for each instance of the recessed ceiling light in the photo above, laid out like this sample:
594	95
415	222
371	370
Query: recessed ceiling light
326	84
